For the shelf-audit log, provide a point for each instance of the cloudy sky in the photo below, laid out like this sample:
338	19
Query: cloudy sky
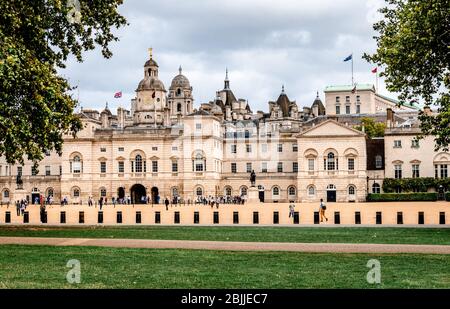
264	44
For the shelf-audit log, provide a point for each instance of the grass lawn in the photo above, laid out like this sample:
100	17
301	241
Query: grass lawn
45	267
258	234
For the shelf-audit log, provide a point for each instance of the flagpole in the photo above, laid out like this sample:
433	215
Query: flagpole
376	90
352	71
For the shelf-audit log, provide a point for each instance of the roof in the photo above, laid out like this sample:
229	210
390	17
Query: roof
151	83
396	102
284	103
359	87
350	129
320	107
200	112
150	63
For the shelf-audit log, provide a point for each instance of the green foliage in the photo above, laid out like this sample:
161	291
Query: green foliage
36	37
411	184
413	48
372	128
400	197
447	196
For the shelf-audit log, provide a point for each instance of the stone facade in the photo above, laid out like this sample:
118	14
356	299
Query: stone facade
163	147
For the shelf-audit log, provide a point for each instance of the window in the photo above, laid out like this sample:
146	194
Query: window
233	168
243	191
47	171
6	194
415	171
444	171
347	99
347	109
294	147
351	164
415	143
311	191
174	166
179	108
264	167
76	165
198	126
264	148
311	164
249	167
280	167
102	149
174	148
50	192
233	148
228	191
358	109
338	99
199	191
291	191
121	149
248	148
154	148
247	134
199	163
338	109
280	147
19	171
358	99
378	161
138	164
276	191
398	144
34	171
376	188
398	171
60	170
351	190
76	192
103	167
294	167
121	167
103	192
331	162
436	171
154	166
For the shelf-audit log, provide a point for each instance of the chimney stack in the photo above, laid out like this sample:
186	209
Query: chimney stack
389	117
427	111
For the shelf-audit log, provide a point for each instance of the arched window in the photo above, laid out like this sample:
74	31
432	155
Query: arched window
291	191
174	191
179	107
50	192
228	191
311	191
331	162
6	194
376	188
178	92
76	165
198	162
103	192
76	192
138	164
199	191
351	190
244	191
276	191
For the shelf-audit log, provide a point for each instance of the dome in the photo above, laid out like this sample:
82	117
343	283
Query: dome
180	81
151	63
151	83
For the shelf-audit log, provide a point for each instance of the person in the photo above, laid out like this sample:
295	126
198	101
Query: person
100	202
322	209
18	208
167	203
291	210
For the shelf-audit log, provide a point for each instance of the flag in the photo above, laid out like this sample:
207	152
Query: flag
354	89
118	95
375	70
348	58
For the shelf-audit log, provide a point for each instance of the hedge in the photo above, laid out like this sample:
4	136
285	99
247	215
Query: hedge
447	196
421	184
399	197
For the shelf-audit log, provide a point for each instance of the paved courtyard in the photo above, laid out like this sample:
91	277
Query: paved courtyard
395	213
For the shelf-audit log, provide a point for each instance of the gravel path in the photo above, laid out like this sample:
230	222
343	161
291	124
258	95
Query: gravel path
229	246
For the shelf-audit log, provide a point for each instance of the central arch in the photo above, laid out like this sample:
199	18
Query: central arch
138	194
155	195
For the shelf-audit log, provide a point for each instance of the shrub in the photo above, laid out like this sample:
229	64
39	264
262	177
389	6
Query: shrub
400	197
447	196
421	184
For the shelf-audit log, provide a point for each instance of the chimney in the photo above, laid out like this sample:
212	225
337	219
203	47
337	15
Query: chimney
389	117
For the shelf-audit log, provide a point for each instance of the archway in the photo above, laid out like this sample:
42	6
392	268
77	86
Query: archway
155	195
120	193
138	194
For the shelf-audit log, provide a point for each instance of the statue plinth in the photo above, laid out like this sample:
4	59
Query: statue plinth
253	195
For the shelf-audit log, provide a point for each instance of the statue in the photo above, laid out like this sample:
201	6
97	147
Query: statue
253	178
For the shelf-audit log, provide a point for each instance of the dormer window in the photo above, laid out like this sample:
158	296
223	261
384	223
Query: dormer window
178	92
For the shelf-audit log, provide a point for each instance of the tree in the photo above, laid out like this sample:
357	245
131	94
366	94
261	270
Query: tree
413	47
372	128
36	37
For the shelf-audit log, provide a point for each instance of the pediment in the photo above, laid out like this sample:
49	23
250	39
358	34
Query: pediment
331	128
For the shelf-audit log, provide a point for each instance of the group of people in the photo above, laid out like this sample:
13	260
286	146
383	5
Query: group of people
322	209
21	206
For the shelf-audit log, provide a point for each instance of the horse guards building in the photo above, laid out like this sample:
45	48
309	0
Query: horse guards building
164	147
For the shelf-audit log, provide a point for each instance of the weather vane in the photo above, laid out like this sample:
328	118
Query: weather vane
150	51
